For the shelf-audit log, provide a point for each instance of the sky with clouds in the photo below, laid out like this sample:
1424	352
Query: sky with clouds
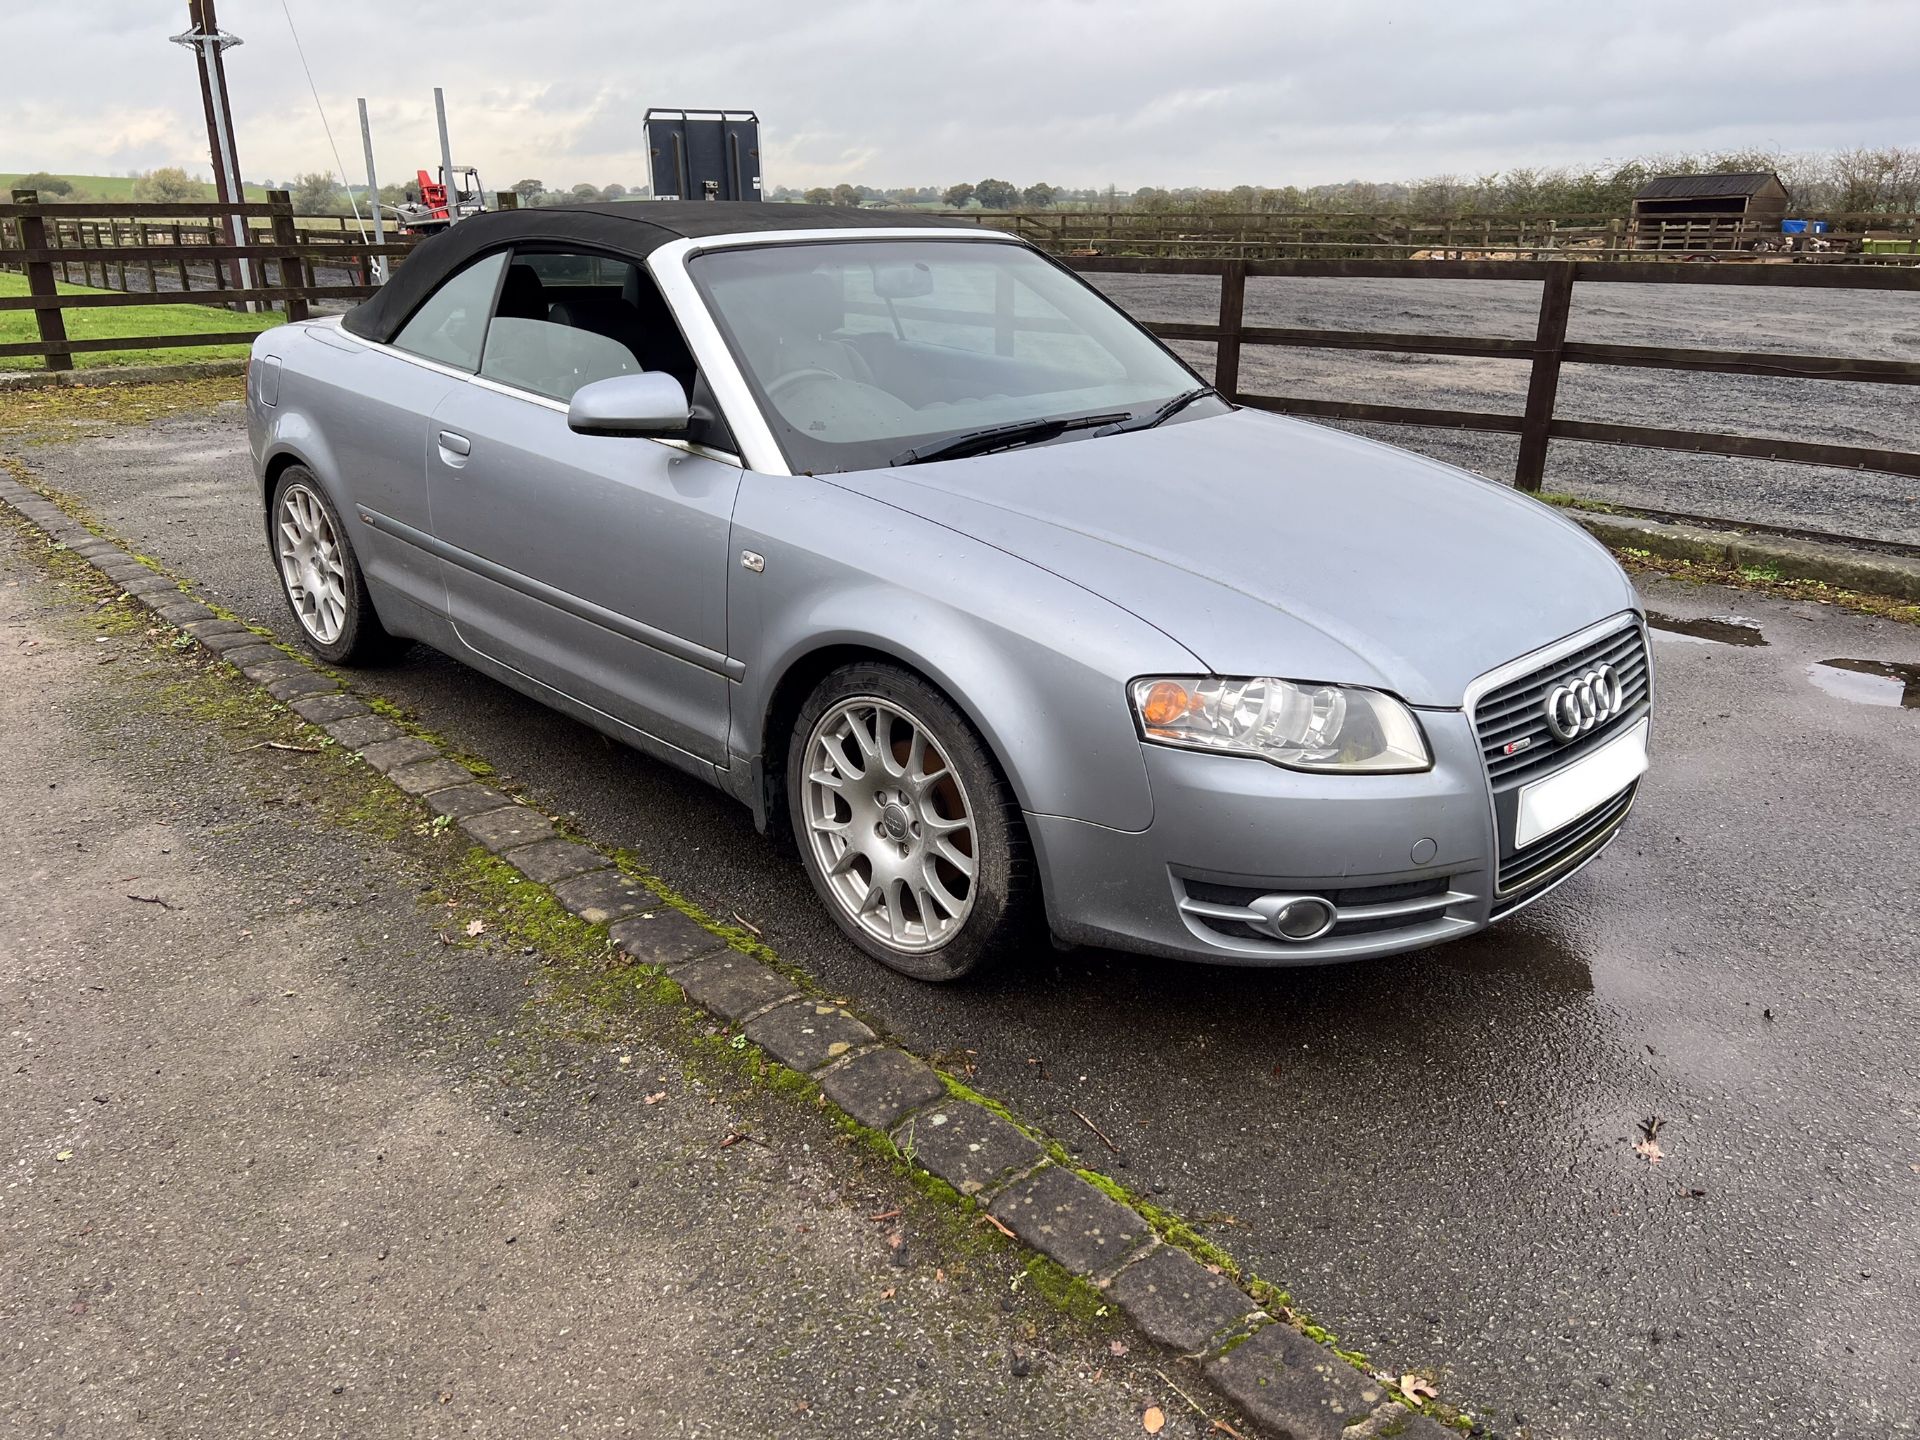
897	92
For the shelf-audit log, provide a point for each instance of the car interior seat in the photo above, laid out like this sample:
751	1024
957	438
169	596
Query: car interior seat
522	296
791	323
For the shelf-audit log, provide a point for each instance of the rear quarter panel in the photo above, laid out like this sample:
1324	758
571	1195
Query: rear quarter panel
358	418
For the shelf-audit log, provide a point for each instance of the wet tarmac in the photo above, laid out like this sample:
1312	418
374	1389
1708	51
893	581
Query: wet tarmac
1869	682
1435	1154
1718	629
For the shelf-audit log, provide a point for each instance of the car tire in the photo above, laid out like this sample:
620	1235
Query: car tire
320	576
911	836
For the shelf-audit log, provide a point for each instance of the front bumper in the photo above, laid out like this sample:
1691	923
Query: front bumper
1406	860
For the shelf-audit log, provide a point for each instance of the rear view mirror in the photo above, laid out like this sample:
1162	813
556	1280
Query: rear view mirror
902	281
648	403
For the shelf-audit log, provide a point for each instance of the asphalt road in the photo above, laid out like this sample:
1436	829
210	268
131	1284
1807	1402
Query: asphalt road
279	1162
1866	324
1435	1153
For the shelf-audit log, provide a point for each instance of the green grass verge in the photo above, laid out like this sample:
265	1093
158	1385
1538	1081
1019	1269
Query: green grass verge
113	322
115	188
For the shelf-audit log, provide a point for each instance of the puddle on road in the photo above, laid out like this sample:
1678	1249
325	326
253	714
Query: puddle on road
1722	629
1869	682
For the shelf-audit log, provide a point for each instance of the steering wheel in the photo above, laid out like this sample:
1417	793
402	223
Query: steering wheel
794	377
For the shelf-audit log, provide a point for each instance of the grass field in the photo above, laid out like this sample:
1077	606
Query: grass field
113	321
109	187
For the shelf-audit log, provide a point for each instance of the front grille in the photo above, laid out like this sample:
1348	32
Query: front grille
1551	855
1515	713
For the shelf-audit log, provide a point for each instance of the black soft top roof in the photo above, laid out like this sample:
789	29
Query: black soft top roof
633	228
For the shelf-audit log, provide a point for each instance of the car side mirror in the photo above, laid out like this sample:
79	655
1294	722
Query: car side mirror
651	402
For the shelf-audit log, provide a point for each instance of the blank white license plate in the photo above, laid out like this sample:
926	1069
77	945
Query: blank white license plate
1592	780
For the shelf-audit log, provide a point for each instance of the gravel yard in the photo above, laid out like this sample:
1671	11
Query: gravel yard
1866	324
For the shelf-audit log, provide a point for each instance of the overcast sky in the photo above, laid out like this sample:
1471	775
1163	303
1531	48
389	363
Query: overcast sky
895	92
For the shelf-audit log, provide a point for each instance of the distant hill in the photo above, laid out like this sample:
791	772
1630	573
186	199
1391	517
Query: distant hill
113	187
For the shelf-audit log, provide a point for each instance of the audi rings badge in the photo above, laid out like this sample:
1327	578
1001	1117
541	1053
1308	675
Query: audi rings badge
1585	703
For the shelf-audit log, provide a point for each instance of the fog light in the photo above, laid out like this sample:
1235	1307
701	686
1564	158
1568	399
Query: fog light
1296	917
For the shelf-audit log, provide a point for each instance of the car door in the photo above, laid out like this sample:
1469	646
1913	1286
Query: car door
594	564
393	397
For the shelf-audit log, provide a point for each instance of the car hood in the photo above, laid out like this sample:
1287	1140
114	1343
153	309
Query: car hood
1268	546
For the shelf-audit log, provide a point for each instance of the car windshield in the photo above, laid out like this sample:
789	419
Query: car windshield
875	352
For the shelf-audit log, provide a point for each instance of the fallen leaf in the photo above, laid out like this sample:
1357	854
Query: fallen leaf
1417	1387
655	1098
1116	1347
476	927
1154	1420
887	1294
64	1156
1650	1151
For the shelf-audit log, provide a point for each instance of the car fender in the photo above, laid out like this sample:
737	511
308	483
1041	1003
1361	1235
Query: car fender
1038	665
285	430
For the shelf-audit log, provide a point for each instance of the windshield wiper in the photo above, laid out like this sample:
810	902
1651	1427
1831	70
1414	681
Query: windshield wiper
1166	412
1003	437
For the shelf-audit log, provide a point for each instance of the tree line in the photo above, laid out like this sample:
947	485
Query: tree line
1863	179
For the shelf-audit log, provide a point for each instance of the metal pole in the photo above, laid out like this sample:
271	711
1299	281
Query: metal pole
203	36
235	195
446	156
379	265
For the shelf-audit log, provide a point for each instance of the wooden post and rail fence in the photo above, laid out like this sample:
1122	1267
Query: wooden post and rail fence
25	243
181	253
1545	352
1853	237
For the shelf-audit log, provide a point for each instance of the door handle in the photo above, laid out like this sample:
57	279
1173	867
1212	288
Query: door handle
455	444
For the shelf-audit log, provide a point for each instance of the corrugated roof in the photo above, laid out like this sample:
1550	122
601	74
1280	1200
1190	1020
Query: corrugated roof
1705	187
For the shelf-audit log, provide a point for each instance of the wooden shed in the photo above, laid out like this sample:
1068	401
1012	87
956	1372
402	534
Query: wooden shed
1707	212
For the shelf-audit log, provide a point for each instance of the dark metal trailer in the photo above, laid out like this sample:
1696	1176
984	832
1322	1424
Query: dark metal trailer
704	154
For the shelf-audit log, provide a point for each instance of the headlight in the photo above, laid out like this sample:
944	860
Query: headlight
1304	727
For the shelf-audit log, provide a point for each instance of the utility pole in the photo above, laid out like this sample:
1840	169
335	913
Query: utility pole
203	36
446	159
379	265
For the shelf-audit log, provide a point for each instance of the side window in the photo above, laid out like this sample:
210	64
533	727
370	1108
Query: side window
452	324
566	319
549	359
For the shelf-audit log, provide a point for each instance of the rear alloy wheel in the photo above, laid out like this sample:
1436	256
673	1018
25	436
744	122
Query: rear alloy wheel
906	828
320	577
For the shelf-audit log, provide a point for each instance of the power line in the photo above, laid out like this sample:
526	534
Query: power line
338	164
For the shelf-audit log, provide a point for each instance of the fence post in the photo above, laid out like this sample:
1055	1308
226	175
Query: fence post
1233	302
293	273
52	325
1543	385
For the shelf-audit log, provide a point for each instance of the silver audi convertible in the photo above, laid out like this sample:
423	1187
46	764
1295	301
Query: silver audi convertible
903	535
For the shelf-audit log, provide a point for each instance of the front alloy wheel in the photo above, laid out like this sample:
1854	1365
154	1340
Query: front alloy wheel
904	824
